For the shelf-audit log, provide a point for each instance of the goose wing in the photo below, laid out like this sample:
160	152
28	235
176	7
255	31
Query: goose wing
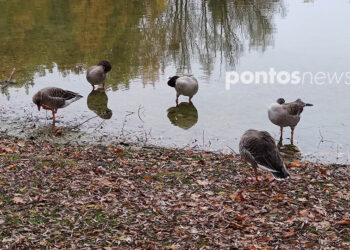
57	98
296	107
96	75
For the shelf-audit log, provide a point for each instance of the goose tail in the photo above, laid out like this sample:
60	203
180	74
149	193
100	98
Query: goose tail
282	174
70	101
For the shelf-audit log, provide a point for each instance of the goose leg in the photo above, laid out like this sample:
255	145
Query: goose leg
256	173
281	132
54	111
292	135
177	100
189	99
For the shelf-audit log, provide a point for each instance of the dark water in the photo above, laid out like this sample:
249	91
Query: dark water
52	43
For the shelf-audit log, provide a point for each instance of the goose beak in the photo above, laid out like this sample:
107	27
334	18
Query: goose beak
39	107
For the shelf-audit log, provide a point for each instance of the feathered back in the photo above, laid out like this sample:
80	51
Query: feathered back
55	97
259	148
296	107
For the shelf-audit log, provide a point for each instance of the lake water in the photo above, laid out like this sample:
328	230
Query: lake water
52	43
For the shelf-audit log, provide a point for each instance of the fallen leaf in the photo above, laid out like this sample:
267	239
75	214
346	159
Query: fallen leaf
323	171
343	222
18	200
240	218
304	212
288	234
118	151
202	183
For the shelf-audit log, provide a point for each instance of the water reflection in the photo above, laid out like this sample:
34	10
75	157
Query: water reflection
184	115
289	152
140	38
97	102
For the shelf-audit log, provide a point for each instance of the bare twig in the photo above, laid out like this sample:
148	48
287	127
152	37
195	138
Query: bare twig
77	126
138	113
232	150
99	125
9	80
319	131
203	138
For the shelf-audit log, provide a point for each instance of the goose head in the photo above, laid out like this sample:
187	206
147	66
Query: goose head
280	101
37	99
106	65
172	81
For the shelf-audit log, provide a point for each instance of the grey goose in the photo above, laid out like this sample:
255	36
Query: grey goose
285	114
98	74
259	149
52	98
184	85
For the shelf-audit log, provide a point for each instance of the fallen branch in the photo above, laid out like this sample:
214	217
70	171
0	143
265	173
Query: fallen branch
6	83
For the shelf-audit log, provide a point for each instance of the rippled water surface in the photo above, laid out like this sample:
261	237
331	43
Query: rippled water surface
52	43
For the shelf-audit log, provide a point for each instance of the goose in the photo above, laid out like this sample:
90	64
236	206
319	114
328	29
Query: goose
98	74
52	98
285	114
259	149
184	85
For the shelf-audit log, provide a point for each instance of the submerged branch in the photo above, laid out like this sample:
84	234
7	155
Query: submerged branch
6	83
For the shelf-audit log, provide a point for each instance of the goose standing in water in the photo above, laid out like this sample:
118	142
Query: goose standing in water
184	85
285	114
98	74
52	98
259	149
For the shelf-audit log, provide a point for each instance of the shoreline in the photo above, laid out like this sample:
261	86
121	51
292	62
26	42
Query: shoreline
26	128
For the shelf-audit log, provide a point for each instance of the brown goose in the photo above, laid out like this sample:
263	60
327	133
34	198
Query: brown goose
98	74
52	98
259	149
286	114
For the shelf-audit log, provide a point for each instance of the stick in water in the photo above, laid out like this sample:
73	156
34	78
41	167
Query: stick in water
9	80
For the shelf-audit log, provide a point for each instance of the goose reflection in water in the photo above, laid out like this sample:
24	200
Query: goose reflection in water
97	102
184	115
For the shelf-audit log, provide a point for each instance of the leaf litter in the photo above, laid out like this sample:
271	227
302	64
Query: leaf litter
68	196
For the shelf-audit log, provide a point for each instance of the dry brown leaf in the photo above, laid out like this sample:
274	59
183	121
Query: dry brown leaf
288	234
343	222
203	183
18	200
304	212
